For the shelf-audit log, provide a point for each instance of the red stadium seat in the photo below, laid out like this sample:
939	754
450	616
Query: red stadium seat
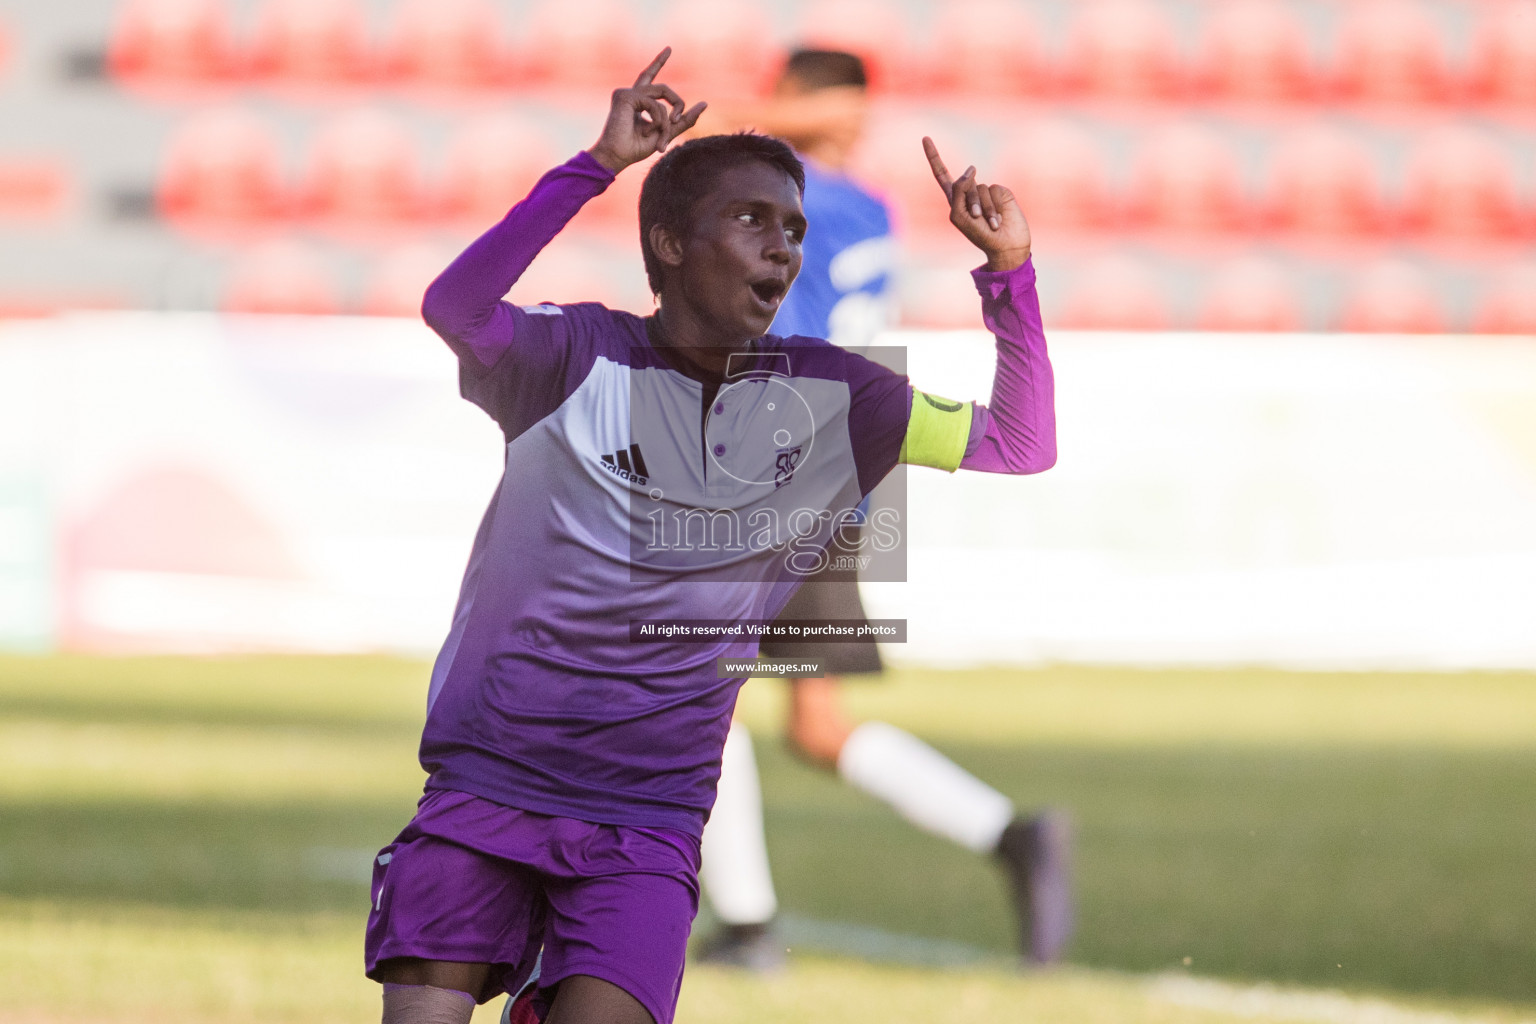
720	48
313	43
617	211
585	43
1123	48
282	277
400	278
33	188
491	164
1504	53
890	158
1460	182
1322	180
567	271
1057	171
1391	50
446	44
223	172
987	47
363	173
1256	50
874	30
1115	293
173	41
1509	304
1187	178
1251	295
1392	298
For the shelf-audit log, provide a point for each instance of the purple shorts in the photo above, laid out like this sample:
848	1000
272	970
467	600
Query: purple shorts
473	881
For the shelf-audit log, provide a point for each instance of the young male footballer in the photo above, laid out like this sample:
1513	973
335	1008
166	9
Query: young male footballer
572	747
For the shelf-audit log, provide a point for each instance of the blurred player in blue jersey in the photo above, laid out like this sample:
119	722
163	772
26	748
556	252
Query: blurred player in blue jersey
843	294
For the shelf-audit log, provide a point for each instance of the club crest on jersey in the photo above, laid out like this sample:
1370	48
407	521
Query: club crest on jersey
628	464
784	466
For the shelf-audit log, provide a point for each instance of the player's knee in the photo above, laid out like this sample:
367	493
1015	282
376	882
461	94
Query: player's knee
426	1004
583	999
819	746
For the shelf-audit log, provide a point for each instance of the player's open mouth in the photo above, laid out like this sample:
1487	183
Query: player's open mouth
769	290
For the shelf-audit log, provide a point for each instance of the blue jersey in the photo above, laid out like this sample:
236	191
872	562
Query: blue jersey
843	291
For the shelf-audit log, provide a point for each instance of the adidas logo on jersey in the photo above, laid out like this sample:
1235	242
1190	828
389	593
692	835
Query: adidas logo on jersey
628	464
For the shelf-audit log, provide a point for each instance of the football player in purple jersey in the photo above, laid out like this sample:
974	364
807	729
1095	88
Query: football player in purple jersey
572	749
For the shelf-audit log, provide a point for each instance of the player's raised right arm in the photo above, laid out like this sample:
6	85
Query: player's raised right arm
464	305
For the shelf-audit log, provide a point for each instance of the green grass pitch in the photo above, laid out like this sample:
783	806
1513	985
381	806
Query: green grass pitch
189	839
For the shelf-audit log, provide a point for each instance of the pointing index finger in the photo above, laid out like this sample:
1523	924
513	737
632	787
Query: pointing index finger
940	172
649	74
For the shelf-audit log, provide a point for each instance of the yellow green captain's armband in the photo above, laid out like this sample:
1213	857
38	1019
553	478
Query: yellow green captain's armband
937	432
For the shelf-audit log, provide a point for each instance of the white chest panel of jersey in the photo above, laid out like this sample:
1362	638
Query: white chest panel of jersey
726	491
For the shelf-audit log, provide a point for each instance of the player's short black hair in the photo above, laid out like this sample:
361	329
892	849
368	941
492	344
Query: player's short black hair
685	173
826	69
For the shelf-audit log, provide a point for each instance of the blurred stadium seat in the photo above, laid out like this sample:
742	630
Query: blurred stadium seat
33	188
171	42
223	171
1255	50
569	271
1392	297
719	48
313	44
1508	306
1460	182
400	278
1322	180
1070	189
617	211
445	44
1114	293
935	290
890	158
876	31
986	47
281	277
1251	294
491	163
362	174
1391	50
1504	53
584	43
1123	48
1187	178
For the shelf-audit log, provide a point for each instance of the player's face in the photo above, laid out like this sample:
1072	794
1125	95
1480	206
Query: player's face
742	252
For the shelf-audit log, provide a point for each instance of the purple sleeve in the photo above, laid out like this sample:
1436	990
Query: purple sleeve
1017	434
464	305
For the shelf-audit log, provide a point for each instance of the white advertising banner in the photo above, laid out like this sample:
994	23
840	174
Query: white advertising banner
190	482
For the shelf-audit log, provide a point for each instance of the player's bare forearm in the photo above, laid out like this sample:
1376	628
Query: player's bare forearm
987	215
643	119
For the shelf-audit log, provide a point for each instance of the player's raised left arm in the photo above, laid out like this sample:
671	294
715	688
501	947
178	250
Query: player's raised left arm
1016	432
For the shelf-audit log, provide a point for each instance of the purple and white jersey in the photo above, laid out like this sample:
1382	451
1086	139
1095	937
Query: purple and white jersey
616	506
624	499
